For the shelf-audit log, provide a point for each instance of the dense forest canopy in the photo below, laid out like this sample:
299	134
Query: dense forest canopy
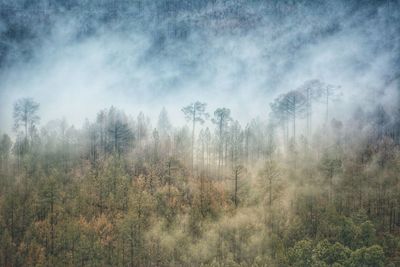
199	133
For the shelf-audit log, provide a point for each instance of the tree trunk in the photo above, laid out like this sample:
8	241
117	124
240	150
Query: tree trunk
236	186
193	129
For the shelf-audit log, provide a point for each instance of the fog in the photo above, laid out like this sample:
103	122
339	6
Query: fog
299	165
75	59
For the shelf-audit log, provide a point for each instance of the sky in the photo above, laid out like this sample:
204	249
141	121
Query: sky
78	57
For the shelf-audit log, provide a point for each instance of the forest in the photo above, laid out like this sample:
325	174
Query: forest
287	190
157	133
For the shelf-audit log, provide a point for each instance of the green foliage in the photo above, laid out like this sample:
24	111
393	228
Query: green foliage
367	234
331	253
300	255
367	256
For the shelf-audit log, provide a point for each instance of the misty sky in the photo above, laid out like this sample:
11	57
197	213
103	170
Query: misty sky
77	57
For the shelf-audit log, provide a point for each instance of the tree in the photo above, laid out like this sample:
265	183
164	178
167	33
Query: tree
202	150
380	120
164	125
237	171
367	233
5	147
164	129
290	105
101	121
301	254
156	147
236	143
91	142
136	222
329	93
295	104
195	112
48	198
270	176
25	116
280	115
142	130
222	116
312	90
119	131
207	143
367	256
331	253
330	165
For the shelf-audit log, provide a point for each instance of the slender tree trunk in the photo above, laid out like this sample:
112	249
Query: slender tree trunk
327	106
193	129
236	187
294	121
131	245
270	193
52	230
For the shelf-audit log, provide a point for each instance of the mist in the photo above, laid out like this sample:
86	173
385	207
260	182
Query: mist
199	133
76	59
